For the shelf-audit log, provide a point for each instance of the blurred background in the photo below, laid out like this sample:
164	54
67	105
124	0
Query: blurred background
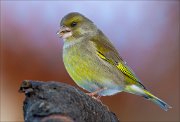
146	34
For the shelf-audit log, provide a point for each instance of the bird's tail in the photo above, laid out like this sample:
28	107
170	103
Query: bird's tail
146	94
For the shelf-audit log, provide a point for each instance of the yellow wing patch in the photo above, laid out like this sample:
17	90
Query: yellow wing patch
130	76
103	57
122	67
126	71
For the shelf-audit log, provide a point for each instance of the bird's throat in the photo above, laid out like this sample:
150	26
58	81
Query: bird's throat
67	35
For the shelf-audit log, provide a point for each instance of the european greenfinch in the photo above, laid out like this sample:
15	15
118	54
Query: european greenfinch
94	64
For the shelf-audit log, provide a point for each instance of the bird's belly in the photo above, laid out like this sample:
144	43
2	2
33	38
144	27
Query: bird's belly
89	72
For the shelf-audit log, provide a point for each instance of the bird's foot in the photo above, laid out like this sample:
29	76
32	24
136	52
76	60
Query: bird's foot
94	97
93	94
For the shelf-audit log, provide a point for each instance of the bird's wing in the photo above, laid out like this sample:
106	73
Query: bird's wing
107	52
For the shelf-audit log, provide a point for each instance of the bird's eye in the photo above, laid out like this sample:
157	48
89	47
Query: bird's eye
73	24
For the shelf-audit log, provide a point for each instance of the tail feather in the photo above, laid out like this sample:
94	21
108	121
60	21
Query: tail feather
156	100
146	94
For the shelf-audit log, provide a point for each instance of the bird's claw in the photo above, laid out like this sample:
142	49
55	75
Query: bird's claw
94	97
92	94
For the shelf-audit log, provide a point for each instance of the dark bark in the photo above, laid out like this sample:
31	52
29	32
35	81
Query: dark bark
58	102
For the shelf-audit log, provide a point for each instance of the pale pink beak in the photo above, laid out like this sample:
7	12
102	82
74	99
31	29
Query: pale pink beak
64	32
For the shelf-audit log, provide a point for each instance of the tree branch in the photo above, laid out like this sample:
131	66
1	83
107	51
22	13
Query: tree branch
58	102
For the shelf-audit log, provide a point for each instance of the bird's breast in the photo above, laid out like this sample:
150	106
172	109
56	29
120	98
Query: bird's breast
79	61
87	69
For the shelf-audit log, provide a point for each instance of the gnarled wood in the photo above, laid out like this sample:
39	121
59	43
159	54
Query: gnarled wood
58	102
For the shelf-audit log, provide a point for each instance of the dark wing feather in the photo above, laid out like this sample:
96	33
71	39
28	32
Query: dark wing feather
107	52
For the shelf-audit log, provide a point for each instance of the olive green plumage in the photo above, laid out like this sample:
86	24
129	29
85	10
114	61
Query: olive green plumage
93	63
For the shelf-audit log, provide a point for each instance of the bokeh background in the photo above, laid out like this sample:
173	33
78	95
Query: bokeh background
145	33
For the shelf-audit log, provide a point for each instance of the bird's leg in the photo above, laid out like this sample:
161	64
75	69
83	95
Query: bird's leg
92	94
95	92
98	97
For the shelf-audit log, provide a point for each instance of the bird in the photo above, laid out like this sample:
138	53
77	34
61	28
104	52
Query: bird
94	64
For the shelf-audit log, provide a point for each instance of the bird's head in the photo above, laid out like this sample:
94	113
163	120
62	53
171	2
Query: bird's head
75	25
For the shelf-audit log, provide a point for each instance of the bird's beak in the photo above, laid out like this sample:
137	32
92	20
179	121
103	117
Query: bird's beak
64	32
